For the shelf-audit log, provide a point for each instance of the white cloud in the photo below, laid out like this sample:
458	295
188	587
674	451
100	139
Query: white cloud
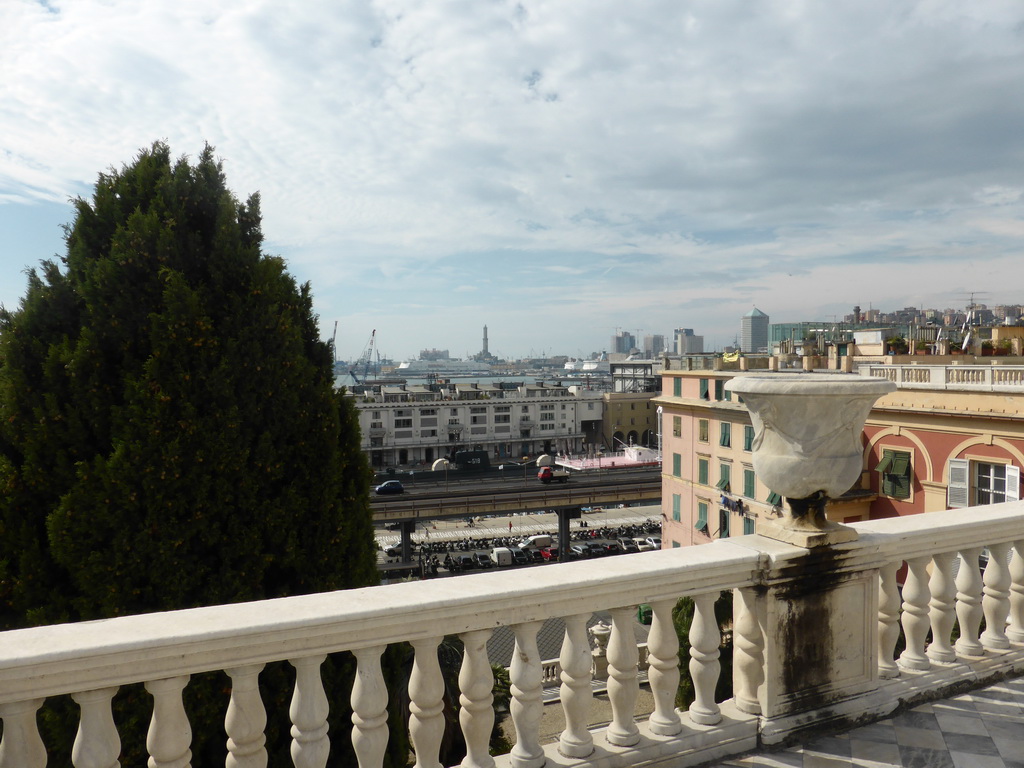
635	159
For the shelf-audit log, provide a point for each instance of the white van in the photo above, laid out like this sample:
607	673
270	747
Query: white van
502	556
536	542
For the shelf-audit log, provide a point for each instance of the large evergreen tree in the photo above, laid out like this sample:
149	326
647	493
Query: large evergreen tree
169	431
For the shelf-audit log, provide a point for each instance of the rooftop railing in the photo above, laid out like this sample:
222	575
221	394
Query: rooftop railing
784	682
969	378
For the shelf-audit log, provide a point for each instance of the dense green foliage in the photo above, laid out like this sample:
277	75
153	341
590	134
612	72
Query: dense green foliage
170	435
682	618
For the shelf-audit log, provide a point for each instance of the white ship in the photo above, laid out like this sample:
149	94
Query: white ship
443	368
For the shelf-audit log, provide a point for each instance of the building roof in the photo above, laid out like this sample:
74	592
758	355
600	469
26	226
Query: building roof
755	312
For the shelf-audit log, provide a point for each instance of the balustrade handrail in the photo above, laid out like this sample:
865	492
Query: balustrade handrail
46	661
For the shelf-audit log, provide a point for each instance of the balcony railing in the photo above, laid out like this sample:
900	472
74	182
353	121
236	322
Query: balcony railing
967	378
814	638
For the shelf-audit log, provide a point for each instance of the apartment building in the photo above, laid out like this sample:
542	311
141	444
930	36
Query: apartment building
948	437
417	425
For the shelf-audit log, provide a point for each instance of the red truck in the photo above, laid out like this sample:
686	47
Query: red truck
548	474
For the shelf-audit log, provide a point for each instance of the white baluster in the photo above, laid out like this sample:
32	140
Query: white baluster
97	744
888	616
663	672
623	685
476	682
21	746
426	703
369	708
576	693
527	704
1016	631
748	652
246	719
968	604
170	734
308	712
705	639
996	602
916	596
941	614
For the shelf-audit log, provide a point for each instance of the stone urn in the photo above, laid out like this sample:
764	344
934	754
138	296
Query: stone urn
807	445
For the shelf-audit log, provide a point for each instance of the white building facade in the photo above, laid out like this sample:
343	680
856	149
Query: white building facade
417	425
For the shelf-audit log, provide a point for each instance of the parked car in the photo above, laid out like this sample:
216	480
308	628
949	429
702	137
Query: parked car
644	544
580	550
596	550
654	541
466	562
518	556
628	545
613	548
389	486
483	560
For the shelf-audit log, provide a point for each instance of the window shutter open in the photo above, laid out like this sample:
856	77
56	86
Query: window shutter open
958	490
1012	483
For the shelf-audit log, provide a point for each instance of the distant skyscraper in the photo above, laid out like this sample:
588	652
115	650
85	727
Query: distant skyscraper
654	345
754	331
623	342
686	343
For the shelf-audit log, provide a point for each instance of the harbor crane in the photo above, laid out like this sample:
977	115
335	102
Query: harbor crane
364	360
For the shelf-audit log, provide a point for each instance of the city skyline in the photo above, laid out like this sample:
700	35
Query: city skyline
432	169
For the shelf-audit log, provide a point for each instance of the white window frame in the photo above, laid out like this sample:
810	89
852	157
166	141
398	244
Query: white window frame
961	490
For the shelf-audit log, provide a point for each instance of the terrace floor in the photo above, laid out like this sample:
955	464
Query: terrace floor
981	729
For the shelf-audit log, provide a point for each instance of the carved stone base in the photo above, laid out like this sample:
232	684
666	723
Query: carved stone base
809	537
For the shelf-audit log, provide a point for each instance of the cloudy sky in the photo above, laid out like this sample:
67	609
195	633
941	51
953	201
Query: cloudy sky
556	170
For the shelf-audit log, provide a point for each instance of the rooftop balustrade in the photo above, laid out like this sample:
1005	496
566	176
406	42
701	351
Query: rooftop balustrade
815	633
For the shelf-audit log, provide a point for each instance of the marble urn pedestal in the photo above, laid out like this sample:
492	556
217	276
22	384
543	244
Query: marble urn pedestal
807	445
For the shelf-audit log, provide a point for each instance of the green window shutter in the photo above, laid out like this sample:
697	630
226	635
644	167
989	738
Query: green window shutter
677	387
726	437
703	389
748	483
675	507
702	471
748	526
677	465
725	472
702	517
894	469
774	499
748	437
723	523
704	427
719	389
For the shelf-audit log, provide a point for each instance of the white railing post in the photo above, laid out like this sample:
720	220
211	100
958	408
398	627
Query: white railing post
476	682
246	719
705	639
170	735
888	617
942	614
968	604
527	705
1015	632
369	708
663	672
21	746
308	712
426	703
623	685
576	693
996	601
916	597
748	652
97	743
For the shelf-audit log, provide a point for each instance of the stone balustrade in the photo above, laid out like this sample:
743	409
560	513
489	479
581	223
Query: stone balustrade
969	378
815	633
